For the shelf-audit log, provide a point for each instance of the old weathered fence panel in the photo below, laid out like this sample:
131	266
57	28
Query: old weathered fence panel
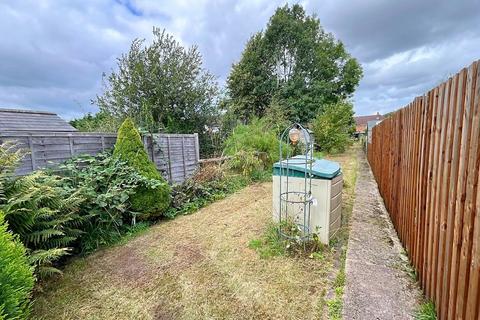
175	155
426	159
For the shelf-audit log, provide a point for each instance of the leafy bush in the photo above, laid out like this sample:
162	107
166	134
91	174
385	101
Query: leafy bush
16	278
45	216
107	185
253	147
129	148
333	127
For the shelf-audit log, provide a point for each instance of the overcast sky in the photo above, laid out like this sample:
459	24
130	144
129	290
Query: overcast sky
53	53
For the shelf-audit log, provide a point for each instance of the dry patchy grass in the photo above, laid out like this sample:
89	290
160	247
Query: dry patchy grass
200	267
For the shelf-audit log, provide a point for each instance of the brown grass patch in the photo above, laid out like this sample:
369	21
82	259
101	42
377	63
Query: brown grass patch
196	267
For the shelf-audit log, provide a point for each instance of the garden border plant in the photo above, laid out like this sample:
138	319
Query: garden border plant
16	275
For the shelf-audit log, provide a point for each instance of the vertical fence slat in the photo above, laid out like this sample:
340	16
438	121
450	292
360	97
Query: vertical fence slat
469	213
461	196
433	187
459	99
473	294
444	172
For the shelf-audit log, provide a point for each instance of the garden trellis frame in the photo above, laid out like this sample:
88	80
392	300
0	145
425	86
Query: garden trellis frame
295	203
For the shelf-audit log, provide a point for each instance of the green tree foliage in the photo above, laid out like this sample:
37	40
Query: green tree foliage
98	122
45	217
162	86
129	148
253	146
16	276
293	63
333	127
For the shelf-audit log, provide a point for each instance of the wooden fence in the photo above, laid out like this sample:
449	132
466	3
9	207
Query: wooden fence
175	155
426	158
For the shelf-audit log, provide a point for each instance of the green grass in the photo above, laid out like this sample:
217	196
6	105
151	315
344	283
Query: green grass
426	311
335	305
269	244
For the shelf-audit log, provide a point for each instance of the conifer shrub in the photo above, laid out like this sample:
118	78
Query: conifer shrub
16	276
152	202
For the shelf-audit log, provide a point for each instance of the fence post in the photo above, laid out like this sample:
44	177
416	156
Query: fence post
169	160
32	152
183	159
152	145
70	142
197	148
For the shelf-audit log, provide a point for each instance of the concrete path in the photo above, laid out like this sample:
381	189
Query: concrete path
379	284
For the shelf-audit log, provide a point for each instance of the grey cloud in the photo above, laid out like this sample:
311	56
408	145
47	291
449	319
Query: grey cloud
52	54
375	29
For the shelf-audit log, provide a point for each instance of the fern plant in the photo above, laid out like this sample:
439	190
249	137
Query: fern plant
45	217
10	156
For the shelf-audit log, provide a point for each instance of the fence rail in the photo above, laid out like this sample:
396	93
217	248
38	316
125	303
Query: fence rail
426	158
175	155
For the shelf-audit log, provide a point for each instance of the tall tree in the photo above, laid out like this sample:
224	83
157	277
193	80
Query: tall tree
293	63
161	86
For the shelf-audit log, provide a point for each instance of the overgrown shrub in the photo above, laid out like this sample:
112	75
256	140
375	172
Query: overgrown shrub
129	148
45	216
256	143
107	185
16	276
333	127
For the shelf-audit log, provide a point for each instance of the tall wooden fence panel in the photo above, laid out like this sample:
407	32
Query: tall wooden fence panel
175	155
426	158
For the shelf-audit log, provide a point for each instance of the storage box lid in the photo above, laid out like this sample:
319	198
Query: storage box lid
320	168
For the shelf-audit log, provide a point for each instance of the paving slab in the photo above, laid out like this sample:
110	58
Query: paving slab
379	283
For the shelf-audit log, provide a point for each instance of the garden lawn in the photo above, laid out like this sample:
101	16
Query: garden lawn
200	266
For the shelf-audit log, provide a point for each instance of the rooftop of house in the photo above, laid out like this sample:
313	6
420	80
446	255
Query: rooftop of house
29	120
363	120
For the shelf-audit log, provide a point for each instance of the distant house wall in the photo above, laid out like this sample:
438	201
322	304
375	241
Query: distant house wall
361	122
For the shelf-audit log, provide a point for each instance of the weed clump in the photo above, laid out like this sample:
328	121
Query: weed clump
426	311
272	243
